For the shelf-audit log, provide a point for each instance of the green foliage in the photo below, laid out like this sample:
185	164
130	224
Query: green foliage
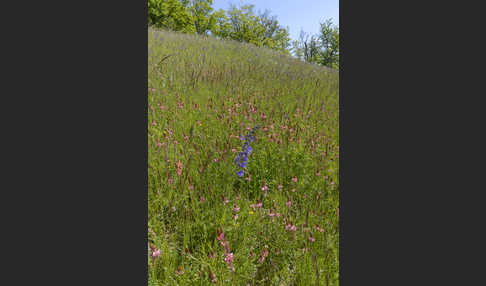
320	49
241	24
203	19
244	25
170	14
204	93
329	43
307	49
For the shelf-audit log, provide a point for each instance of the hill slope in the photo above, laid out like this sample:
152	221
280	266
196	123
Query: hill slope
277	224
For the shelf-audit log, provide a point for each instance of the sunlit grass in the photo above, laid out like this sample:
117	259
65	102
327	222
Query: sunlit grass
203	94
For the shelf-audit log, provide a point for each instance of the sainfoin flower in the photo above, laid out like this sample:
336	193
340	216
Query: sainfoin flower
229	258
259	204
156	253
220	235
264	188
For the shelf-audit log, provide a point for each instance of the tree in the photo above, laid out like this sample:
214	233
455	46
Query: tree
203	19
329	45
322	49
307	48
221	27
244	25
170	14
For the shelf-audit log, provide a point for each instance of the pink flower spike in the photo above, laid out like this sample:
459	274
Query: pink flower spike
294	179
229	258
312	239
264	188
156	253
236	208
220	235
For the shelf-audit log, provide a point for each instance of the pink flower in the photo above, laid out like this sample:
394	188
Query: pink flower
294	179
278	214
225	200
259	205
202	199
229	258
289	203
290	227
156	253
216	160
264	188
234	150
213	278
154	123
280	186
252	206
236	208
220	235
293	190
179	270
312	239
263	255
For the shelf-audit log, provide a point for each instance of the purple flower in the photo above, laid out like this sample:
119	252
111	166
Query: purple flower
242	158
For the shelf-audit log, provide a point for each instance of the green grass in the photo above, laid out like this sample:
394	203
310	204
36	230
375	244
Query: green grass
203	94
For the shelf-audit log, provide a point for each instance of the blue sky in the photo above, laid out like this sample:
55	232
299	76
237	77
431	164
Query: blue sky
296	14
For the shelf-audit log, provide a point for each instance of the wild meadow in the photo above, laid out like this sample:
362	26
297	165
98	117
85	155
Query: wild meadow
243	164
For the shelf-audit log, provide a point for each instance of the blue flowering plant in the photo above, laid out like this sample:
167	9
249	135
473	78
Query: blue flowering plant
246	150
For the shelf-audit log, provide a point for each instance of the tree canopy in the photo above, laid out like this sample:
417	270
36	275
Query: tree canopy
245	25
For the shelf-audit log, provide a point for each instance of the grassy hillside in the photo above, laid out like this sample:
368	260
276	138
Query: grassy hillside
277	224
